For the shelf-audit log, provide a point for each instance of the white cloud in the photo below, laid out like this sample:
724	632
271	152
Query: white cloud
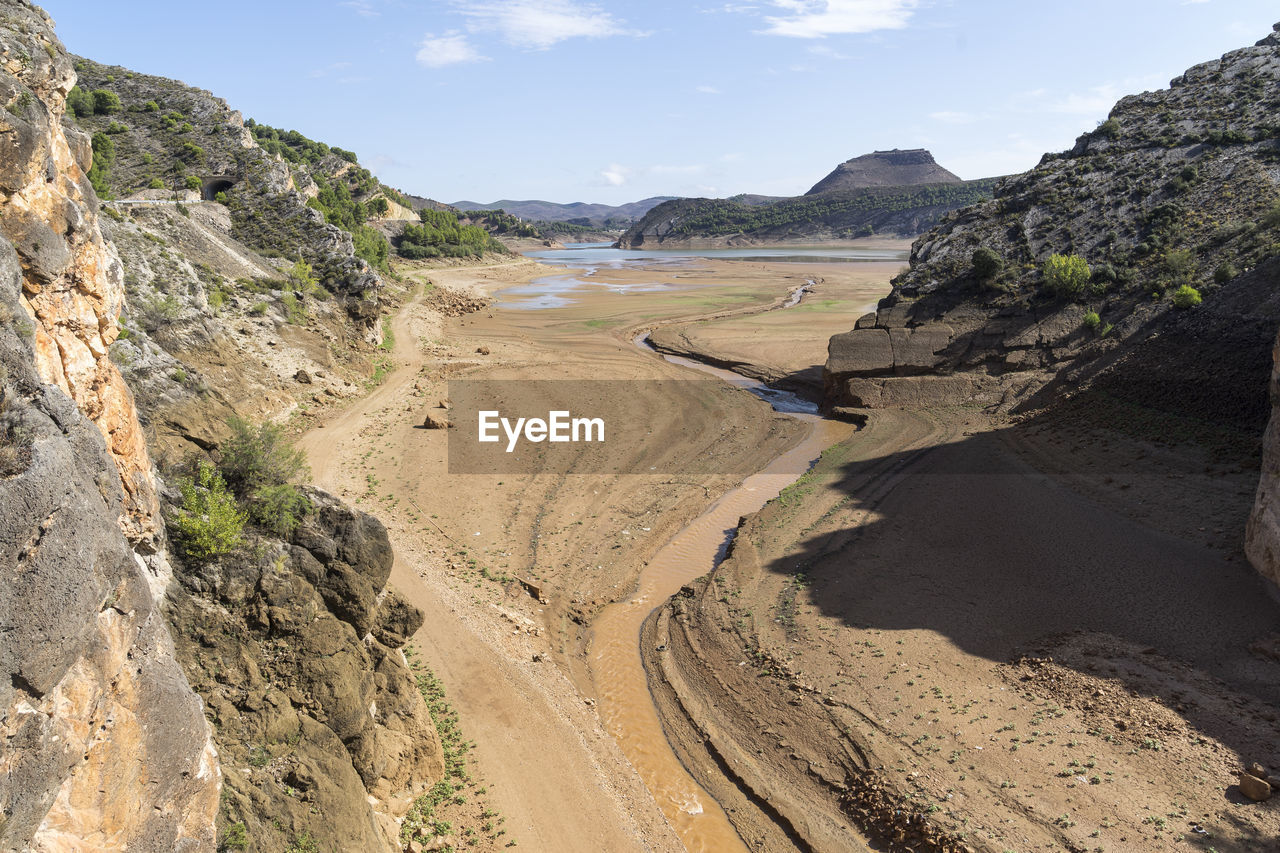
708	90
539	24
451	48
363	8
820	18
615	175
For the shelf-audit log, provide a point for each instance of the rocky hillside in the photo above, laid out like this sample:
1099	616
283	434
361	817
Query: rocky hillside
1134	271
305	728
103	743
896	168
858	199
250	269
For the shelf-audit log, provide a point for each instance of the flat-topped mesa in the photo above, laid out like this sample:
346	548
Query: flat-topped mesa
896	168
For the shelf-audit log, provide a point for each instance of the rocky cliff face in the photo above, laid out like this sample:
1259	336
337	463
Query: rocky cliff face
297	650
102	742
72	279
896	168
1177	188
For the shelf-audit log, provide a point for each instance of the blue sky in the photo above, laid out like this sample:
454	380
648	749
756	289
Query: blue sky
615	101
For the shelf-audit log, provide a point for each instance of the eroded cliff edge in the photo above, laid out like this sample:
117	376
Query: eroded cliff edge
102	741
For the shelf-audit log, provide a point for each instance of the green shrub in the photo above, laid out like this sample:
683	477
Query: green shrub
1068	275
1180	264
194	183
1186	297
236	836
208	524
987	263
256	458
278	509
258	308
104	157
301	276
1271	219
294	310
179	375
1225	272
379	206
1092	320
151	107
79	102
155	184
1109	129
220	197
105	102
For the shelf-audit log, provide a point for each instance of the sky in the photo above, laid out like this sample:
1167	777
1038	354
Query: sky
613	101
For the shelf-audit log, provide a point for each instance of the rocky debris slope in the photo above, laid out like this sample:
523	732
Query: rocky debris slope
211	328
1176	193
896	168
102	742
296	647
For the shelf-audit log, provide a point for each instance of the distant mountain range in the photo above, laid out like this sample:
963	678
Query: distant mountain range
578	212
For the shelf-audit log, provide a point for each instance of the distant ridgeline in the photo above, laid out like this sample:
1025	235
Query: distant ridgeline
901	193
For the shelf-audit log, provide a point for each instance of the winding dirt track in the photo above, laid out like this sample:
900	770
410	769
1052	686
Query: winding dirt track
551	769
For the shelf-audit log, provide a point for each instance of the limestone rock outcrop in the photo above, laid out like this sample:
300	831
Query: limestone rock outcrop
103	744
297	651
73	285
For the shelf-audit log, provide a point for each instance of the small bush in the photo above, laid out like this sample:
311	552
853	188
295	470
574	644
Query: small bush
1092	320
236	836
194	183
256	458
1271	219
278	509
105	102
155	184
1109	129
151	107
79	102
1068	275
208	524
1180	264
1225	272
1186	297
294	310
987	263
220	197
258	308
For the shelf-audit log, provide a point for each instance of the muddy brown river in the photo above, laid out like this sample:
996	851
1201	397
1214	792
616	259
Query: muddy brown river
626	706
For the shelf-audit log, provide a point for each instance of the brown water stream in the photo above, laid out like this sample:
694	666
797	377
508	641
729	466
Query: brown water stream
625	703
